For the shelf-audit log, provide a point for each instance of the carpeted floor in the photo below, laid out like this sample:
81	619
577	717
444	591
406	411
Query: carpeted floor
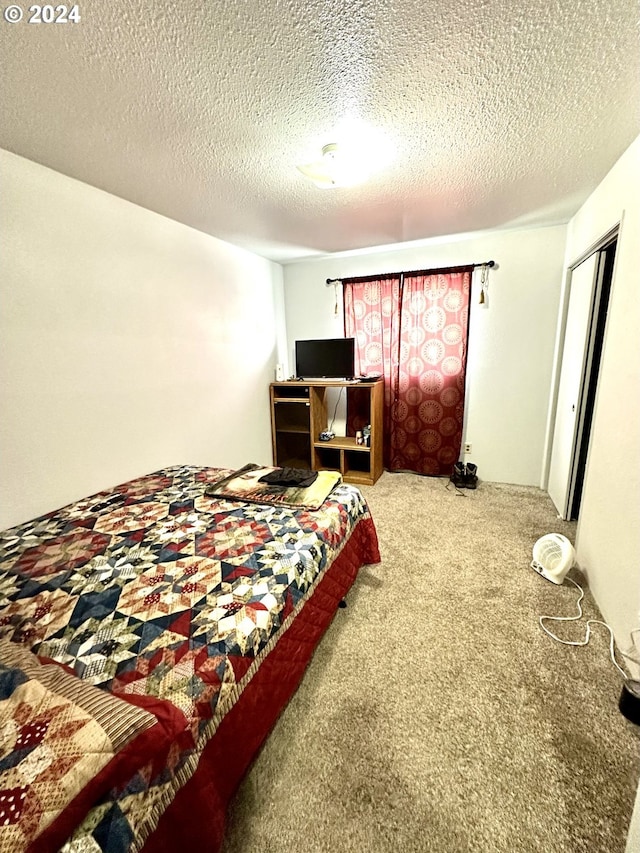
436	715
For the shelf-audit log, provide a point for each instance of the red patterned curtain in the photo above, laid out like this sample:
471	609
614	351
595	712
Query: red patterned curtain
413	328
371	317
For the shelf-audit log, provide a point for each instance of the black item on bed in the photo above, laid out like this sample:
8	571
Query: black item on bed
290	477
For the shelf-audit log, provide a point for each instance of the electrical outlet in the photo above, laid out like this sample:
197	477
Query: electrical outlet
467	447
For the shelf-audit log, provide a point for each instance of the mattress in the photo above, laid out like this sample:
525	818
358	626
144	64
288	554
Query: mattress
150	635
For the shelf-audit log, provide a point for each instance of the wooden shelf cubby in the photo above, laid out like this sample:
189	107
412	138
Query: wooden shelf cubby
299	414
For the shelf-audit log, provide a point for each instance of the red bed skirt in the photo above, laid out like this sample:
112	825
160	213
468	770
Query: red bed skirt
196	817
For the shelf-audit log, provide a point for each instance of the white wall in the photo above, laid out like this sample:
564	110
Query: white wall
608	535
511	339
127	342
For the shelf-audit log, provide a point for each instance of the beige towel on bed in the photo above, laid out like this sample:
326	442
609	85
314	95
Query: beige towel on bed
244	485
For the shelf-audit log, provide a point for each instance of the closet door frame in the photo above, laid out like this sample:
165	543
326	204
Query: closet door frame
565	468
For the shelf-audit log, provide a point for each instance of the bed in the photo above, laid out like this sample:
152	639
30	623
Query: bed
150	636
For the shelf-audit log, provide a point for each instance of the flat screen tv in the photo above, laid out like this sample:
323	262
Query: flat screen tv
329	358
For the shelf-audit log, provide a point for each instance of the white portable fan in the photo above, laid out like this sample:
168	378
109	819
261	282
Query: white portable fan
553	556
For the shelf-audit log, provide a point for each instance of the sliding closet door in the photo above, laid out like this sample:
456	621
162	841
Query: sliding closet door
569	407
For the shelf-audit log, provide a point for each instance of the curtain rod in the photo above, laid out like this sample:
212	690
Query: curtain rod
410	272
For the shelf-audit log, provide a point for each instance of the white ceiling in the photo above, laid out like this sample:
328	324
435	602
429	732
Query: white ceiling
502	114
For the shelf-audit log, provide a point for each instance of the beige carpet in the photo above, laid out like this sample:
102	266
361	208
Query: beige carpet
436	715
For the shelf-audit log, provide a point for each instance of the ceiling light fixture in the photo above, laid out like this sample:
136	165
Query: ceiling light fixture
339	167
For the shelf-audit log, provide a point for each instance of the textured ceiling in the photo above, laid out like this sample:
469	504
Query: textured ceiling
501	114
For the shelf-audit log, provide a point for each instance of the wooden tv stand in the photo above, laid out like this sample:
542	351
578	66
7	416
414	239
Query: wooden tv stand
299	414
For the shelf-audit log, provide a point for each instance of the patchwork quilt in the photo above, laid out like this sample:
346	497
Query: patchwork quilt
131	624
